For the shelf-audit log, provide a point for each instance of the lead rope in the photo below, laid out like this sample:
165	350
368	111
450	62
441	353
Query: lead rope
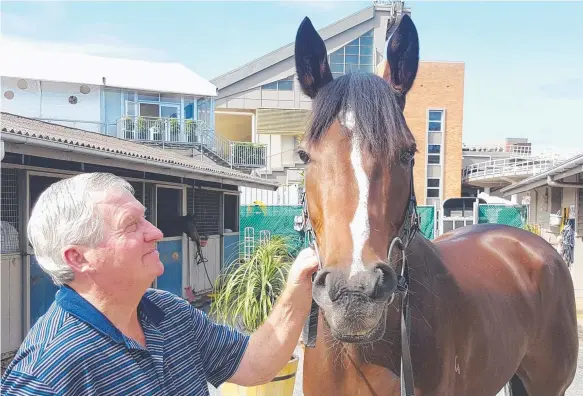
310	330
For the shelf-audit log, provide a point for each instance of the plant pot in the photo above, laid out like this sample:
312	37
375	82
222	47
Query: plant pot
281	385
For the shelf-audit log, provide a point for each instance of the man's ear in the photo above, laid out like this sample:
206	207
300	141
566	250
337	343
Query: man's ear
74	256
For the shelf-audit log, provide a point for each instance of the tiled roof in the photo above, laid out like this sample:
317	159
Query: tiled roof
40	131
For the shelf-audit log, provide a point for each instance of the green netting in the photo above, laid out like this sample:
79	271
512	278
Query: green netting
515	216
427	221
279	220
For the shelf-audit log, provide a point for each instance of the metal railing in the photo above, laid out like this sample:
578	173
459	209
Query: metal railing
195	132
516	150
90	126
514	166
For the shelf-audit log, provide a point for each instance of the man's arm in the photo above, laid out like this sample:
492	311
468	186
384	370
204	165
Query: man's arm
272	345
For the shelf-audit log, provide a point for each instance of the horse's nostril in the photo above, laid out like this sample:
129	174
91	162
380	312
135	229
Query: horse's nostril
320	279
386	282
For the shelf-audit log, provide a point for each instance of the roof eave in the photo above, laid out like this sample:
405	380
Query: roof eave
131	162
287	50
566	169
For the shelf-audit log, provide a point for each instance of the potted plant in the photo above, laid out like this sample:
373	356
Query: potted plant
244	295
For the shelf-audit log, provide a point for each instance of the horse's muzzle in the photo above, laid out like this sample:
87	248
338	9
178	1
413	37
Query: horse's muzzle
377	283
354	306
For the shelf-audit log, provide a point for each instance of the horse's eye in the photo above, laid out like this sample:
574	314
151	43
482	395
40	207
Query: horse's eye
304	156
406	156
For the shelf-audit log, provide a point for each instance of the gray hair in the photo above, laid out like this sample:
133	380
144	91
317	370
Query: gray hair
65	214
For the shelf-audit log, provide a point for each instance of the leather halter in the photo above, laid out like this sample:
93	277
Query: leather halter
408	231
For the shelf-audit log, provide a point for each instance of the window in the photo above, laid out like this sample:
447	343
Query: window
358	55
435	130
286	84
435	120
231	213
433	188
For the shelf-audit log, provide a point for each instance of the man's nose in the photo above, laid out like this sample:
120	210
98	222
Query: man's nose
153	233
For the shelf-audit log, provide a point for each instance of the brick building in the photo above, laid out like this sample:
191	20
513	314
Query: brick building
261	102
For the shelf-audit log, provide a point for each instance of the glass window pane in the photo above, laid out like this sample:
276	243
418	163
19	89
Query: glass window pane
169	112
339	52
350	67
337	68
189	111
366	68
434	138
366	50
170	98
149	96
337	59
435	126
434	171
286	85
368	34
131	108
433	158
432	182
435	115
270	86
433	192
366	60
352	59
352	50
130	95
149	110
434	148
353	42
366	40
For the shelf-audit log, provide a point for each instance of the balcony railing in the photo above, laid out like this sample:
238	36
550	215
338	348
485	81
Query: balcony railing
193	132
512	167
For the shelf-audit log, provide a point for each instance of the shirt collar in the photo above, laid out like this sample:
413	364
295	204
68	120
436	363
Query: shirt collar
73	303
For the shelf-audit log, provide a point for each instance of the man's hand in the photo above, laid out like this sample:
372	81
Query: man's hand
301	271
273	343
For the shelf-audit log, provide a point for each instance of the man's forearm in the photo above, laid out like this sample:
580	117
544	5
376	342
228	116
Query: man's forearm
272	345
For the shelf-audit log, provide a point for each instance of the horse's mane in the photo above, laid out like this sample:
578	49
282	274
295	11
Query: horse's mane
379	120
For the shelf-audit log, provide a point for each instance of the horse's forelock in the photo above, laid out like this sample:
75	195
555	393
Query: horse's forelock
377	116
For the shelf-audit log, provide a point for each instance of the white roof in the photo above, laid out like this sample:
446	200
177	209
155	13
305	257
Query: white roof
22	61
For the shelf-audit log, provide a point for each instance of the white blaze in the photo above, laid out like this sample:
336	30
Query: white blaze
359	226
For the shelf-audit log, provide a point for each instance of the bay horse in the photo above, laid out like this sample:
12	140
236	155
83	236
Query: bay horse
489	304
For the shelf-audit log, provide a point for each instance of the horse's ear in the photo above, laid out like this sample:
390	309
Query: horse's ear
311	59
402	57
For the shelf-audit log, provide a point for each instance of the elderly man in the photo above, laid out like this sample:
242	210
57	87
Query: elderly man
107	333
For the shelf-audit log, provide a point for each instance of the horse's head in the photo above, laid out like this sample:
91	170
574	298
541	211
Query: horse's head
358	181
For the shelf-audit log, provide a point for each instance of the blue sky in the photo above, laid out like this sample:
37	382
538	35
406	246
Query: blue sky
524	60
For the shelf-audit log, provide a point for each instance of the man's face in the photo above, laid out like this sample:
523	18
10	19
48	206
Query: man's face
127	258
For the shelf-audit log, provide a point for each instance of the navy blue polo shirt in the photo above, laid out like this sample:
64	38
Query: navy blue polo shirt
75	350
